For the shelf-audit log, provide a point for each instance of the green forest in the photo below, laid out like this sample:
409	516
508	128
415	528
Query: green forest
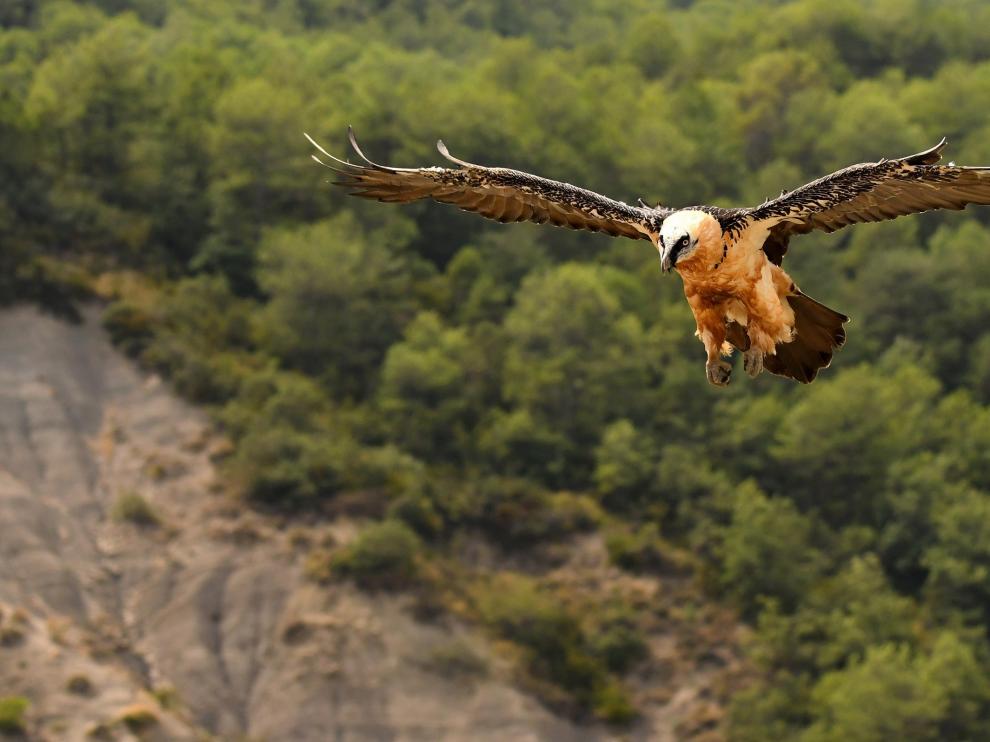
447	378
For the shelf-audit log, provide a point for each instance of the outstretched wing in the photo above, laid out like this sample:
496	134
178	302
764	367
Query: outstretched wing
868	192
497	193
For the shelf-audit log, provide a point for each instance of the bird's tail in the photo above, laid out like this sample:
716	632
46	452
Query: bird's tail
819	333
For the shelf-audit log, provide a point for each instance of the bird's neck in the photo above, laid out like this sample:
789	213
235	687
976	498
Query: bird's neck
711	251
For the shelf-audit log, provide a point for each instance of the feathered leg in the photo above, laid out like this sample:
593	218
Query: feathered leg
753	361
711	330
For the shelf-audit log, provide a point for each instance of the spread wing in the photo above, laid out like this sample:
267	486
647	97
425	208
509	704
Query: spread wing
497	193
868	192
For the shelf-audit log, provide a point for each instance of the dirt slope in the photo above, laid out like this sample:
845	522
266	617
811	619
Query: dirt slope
210	609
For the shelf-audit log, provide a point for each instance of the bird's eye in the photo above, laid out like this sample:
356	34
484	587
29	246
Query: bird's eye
683	241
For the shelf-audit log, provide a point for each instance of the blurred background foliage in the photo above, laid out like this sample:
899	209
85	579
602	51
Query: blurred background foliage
458	377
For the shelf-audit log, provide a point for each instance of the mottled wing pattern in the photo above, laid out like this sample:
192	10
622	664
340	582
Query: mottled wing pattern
497	193
868	192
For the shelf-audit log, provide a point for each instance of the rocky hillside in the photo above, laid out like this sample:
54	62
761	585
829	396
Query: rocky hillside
137	599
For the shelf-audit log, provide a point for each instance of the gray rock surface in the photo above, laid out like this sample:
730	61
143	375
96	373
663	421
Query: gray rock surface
204	602
210	608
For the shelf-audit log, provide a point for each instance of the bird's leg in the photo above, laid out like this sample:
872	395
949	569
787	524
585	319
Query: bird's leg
761	343
753	361
710	320
718	370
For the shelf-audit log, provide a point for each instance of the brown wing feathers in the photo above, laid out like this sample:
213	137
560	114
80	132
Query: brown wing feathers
497	193
867	192
871	192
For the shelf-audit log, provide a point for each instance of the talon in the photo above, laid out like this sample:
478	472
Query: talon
753	362
719	372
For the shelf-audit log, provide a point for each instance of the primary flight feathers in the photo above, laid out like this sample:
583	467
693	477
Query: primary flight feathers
729	259
494	192
872	192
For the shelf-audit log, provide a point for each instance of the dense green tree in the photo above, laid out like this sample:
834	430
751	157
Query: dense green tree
625	464
339	298
433	386
959	560
768	551
573	357
891	694
840	618
835	444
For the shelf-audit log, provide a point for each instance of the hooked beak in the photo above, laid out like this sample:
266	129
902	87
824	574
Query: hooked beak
665	262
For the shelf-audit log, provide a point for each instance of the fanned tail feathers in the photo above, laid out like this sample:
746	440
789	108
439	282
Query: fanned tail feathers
820	333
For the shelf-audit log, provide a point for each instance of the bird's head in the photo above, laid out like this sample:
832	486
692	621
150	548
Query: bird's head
680	234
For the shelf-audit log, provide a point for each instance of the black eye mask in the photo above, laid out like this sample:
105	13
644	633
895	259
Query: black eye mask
680	246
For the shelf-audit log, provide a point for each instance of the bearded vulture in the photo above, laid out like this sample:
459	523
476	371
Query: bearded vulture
728	258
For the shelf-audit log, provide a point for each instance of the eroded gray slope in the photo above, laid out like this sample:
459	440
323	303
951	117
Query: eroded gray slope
213	603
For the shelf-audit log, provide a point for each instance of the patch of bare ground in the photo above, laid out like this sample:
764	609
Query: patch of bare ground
139	601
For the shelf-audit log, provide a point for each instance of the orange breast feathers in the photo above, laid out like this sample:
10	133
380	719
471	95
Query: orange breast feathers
736	283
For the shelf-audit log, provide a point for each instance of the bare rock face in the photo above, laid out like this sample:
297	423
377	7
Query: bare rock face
205	608
137	601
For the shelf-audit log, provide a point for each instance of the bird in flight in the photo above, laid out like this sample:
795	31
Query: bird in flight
728	258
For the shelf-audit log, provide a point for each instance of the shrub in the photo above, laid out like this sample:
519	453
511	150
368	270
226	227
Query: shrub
522	613
517	512
384	468
571	513
319	565
383	555
618	642
555	647
11	636
287	461
417	511
282	467
167	697
636	550
456	660
203	377
129	327
81	685
101	731
12	710
612	704
133	508
13	631
138	718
